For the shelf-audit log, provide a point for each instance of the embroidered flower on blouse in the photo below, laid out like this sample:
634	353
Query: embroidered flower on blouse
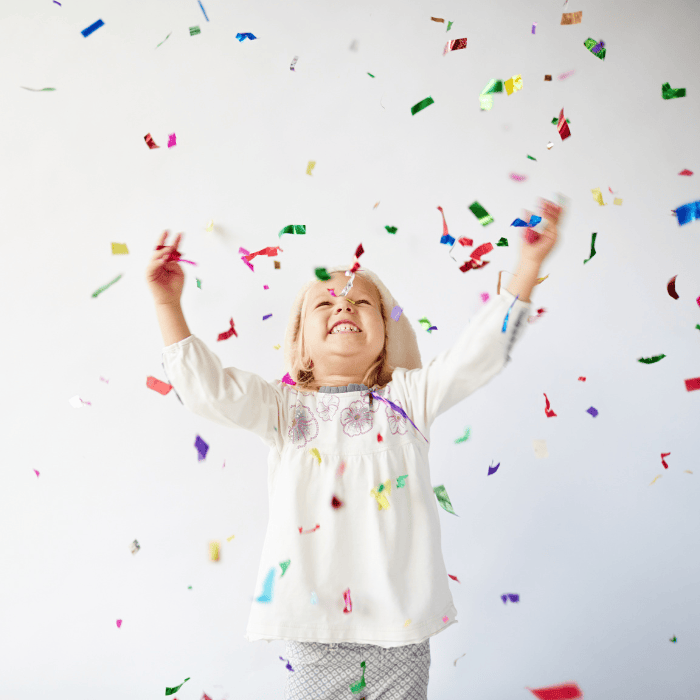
328	406
356	419
397	423
304	426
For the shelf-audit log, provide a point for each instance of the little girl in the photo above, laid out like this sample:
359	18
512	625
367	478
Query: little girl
351	574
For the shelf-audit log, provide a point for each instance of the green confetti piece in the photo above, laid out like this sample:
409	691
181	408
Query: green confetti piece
172	691
401	481
380	488
493	86
668	93
592	248
199	283
422	105
651	360
322	273
425	323
556	121
697	325
370	75
590	43
531	158
195	30
391	229
298	229
164	40
285	565
481	214
449	26
189	588
101	289
357	687
502	242
444	499
38	89
464	438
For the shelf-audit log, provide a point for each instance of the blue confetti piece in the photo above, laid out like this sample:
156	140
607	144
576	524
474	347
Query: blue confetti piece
266	596
534	220
202	448
205	14
447	240
688	212
247	35
92	28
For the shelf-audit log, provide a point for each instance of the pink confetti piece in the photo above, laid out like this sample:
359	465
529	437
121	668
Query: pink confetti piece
445	619
564	76
518	178
288	380
172	140
265	287
348	601
119	623
37	473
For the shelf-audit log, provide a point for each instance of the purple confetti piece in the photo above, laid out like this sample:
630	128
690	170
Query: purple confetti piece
514	597
432	328
396	313
592	411
493	470
400	411
266	317
534	24
202	448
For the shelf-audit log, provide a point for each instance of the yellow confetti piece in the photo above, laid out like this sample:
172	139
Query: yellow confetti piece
228	539
407	623
658	477
119	249
210	226
315	453
617	201
514	84
376	205
541	279
382	501
276	347
310	167
598	196
214	551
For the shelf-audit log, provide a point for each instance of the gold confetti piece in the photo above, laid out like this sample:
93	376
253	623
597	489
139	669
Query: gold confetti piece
119	249
514	84
571	17
598	196
214	551
310	167
210	226
228	539
315	453
276	347
617	200
437	19
407	623
658	477
376	205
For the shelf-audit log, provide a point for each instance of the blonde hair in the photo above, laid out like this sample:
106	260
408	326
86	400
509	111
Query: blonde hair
379	373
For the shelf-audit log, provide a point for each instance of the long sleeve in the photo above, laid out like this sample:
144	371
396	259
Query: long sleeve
481	351
228	396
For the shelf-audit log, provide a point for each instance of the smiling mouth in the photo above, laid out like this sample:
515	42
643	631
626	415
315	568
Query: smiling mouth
344	328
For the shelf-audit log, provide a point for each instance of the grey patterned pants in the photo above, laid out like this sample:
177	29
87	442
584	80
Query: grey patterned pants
326	671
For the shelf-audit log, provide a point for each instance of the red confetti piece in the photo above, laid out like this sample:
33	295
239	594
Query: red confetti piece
671	287
582	379
548	411
454	578
557	692
348	601
270	252
562	126
379	438
465	241
336	502
685	172
663	461
308	531
227	334
692	384
161	387
149	140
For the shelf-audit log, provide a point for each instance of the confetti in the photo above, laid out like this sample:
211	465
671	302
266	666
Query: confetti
322	273
426	324
195	30
484	217
548	77
401	481
300	230
308	532
458	658
518	178
266	595
558	692
534	220
247	35
172	691
164	40
514	598
119	623
540	448
446	238
549	146
391	229
348	609
270	252
288	380
336	503
590	44
692	384
376	205
314	451
202	448
449	26
555	120
379	437
571	17
294	62
548	410
685	214
396	313
357	687
348	286
310	167
563	126
437	19
685	172
531	158
227	334
454	45
288	666
314	598
671	287
514	84
205	14
380	496
485	95
617	201
663	461
592	411
464	438
651	360
422	105
398	410
89	30
564	76
534	25
493	470
214	551
135	546
454	578
370	75
40	89
267	316
443	499
592	248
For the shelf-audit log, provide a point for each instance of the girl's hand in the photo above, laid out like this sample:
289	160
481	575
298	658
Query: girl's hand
165	279
536	246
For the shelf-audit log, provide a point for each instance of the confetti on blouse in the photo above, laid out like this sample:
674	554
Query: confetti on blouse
379	437
357	687
685	214
195	30
119	623
671	287
401	481
172	691
310	167
571	17
566	691
380	496
454	45
396	313
590	44
514	84
518	178
348	609
514	598
484	217
246	35
266	595
89	30
464	438
493	470
227	334
592	248
682	172
300	230
651	360
314	598
422	105
562	126
314	451
149	141
443	499
288	380
336	502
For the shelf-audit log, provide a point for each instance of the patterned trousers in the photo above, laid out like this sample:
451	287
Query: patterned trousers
326	671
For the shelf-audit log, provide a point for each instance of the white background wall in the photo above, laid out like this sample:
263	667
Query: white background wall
604	558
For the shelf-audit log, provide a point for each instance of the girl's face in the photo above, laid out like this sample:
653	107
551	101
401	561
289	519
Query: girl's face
356	344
